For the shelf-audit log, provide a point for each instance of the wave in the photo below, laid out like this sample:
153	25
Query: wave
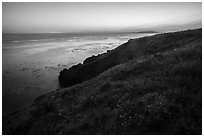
32	40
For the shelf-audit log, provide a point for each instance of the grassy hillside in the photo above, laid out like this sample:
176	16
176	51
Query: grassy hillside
157	93
95	65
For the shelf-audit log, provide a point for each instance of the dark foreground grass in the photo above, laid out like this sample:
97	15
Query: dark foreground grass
160	93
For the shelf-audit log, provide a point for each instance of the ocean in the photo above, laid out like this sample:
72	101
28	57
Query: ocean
31	62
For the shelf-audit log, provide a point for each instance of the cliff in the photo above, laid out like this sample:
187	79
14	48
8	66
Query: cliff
150	85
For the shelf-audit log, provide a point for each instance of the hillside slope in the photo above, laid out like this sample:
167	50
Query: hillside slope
159	93
139	47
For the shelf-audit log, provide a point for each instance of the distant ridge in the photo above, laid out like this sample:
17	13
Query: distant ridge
146	32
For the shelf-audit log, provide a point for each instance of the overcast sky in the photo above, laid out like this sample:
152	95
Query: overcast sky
87	17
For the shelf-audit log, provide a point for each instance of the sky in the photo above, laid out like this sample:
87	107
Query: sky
48	17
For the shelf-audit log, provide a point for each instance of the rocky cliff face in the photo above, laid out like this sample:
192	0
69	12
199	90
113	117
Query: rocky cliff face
157	91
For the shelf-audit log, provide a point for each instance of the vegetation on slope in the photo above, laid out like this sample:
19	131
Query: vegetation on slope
134	48
159	93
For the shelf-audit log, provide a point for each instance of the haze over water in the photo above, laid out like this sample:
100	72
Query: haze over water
68	17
